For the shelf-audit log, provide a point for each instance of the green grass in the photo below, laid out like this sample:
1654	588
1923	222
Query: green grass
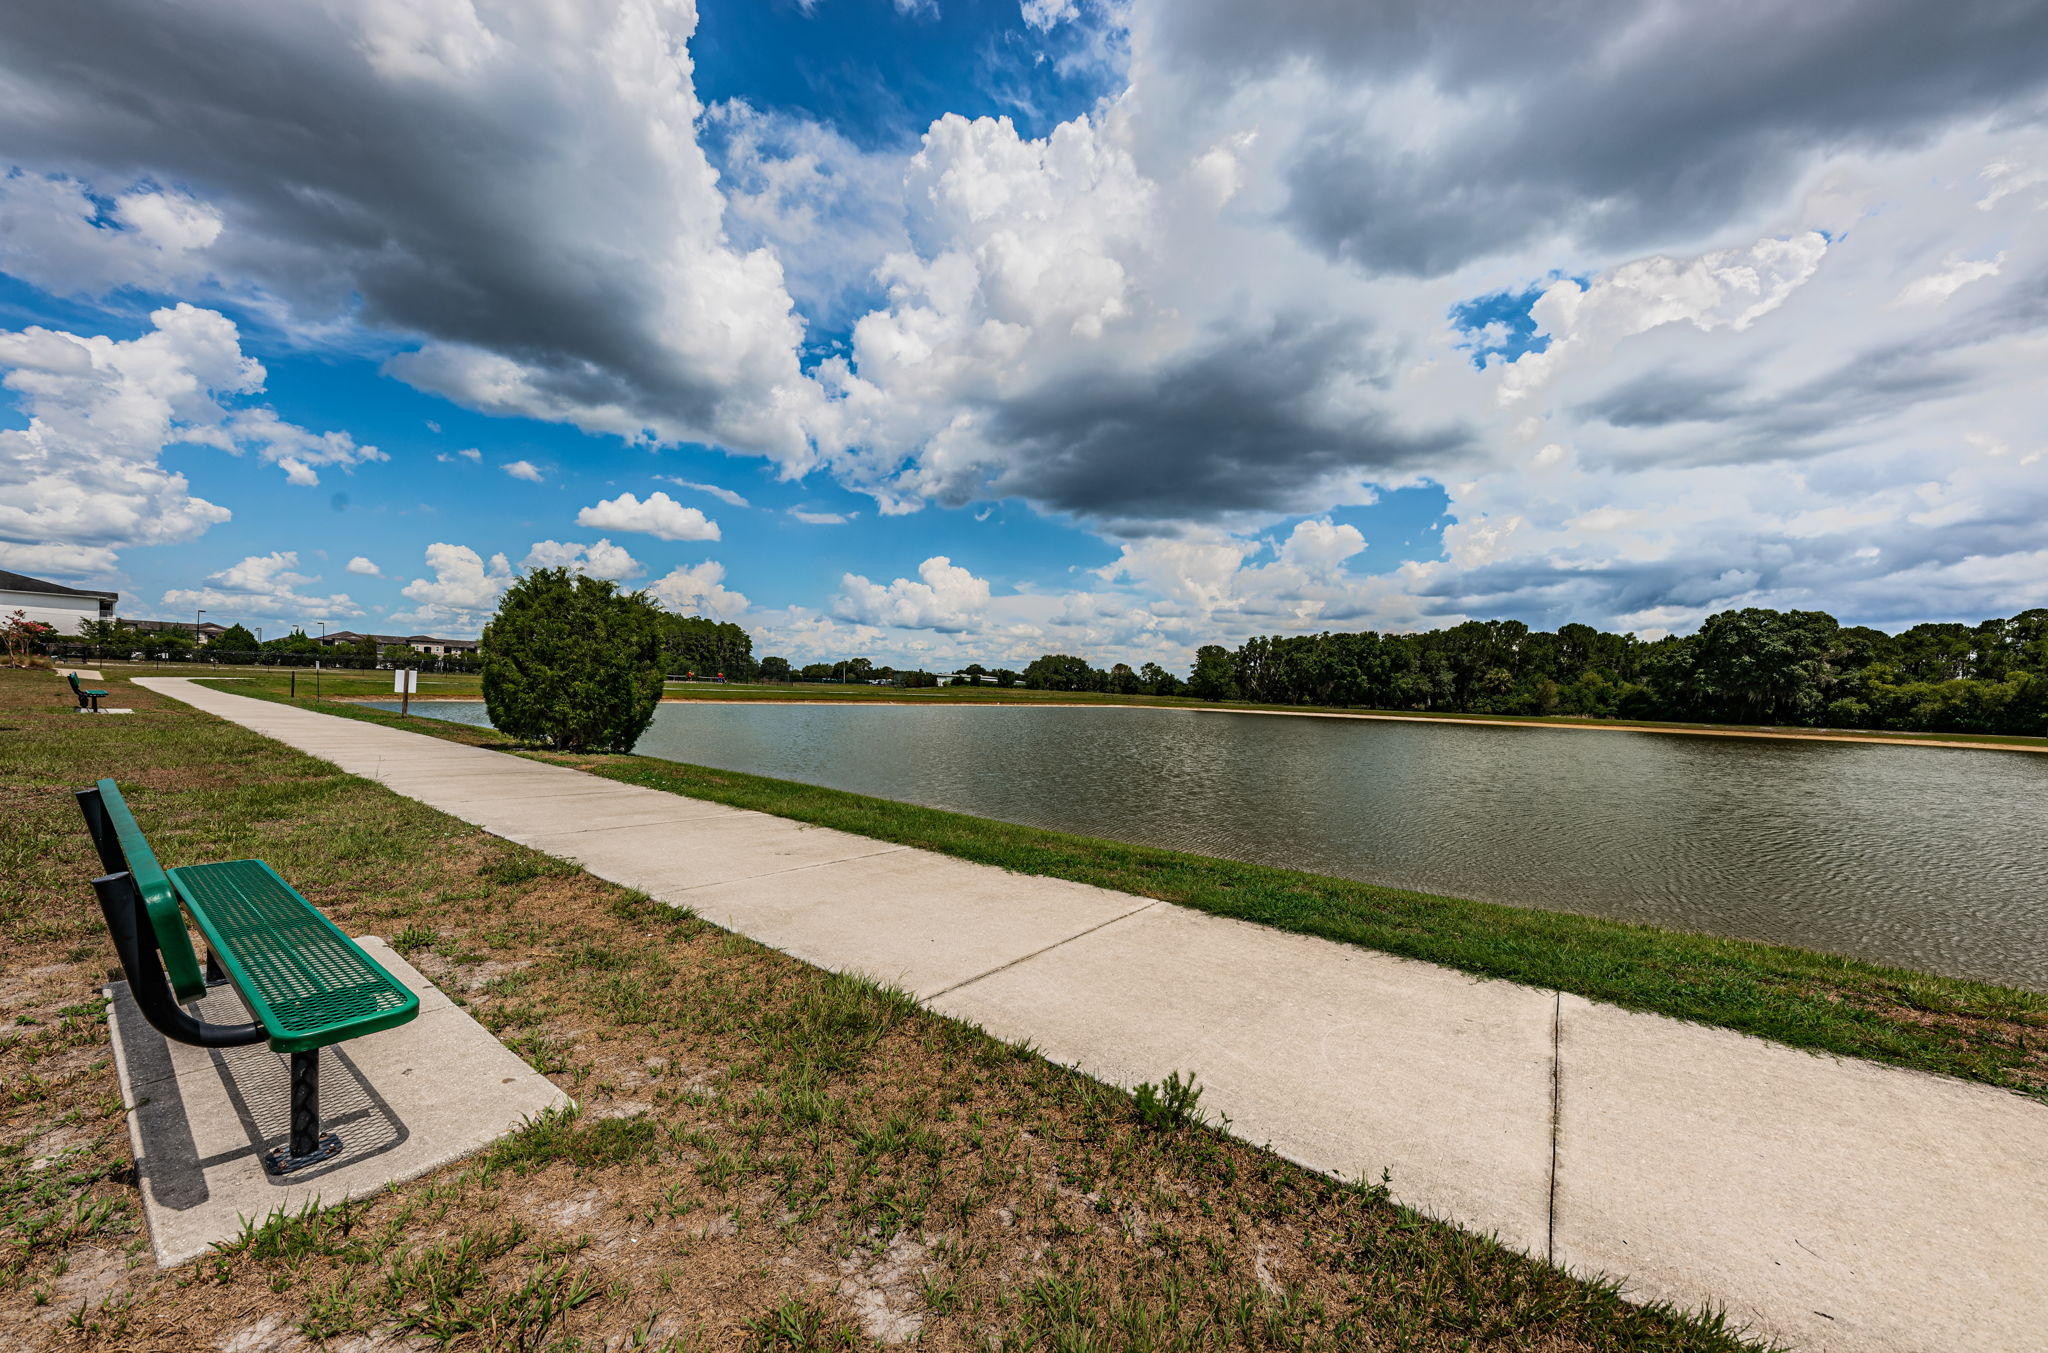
1973	1030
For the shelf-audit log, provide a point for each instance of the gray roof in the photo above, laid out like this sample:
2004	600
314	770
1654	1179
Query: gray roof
133	623
351	636
21	582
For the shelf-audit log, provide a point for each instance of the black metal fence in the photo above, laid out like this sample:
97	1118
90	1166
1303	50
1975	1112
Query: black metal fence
357	662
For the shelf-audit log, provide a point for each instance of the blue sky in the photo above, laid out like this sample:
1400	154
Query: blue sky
978	328
881	75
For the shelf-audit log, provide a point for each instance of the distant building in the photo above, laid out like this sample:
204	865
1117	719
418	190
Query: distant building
207	632
425	643
64	609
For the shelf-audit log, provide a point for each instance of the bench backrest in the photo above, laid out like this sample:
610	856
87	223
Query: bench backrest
72	677
124	836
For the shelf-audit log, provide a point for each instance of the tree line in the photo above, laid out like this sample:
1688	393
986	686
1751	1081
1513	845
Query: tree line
1751	666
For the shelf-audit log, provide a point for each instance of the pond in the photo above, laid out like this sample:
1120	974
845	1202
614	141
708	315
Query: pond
1922	857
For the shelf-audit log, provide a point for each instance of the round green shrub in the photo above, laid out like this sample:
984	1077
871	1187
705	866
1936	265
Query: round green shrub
573	663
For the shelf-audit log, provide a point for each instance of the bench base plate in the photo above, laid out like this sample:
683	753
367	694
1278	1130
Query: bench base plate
280	1160
404	1101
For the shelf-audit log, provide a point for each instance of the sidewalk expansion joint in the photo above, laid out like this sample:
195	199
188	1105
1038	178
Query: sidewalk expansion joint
1556	1121
1035	953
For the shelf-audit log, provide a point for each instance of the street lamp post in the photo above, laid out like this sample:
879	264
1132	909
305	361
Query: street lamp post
316	661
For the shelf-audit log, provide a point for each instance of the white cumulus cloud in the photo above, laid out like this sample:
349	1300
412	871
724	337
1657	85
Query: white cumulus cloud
1320	547
601	559
699	589
262	586
55	236
86	471
463	591
943	597
659	515
63	563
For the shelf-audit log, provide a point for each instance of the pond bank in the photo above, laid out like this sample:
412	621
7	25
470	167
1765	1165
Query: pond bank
1604	726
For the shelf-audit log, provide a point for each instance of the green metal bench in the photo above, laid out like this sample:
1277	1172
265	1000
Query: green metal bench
89	700
307	984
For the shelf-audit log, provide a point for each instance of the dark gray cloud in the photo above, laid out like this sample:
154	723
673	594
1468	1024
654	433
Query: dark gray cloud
1242	425
1659	399
1617	122
503	203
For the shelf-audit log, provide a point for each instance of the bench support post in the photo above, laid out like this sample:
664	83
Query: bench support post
308	1145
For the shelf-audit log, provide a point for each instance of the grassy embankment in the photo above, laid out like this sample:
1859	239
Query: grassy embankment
764	1152
1819	1001
370	685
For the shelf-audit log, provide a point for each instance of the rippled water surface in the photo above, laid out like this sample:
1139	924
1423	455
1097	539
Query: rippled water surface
1932	859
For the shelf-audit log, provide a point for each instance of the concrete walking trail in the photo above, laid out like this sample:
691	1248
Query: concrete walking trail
1824	1203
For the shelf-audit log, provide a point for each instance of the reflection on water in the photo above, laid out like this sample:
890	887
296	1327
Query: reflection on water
1922	857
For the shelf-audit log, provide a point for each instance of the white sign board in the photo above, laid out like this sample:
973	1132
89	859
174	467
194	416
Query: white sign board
405	681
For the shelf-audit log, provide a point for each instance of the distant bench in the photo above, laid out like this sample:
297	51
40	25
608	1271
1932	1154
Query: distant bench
307	983
87	700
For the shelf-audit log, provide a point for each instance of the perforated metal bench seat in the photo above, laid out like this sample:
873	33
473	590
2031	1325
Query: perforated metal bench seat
306	983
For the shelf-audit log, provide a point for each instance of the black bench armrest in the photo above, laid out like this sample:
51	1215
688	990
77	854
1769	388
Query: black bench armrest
121	903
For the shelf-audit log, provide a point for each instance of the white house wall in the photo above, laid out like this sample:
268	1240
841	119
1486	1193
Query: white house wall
65	614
